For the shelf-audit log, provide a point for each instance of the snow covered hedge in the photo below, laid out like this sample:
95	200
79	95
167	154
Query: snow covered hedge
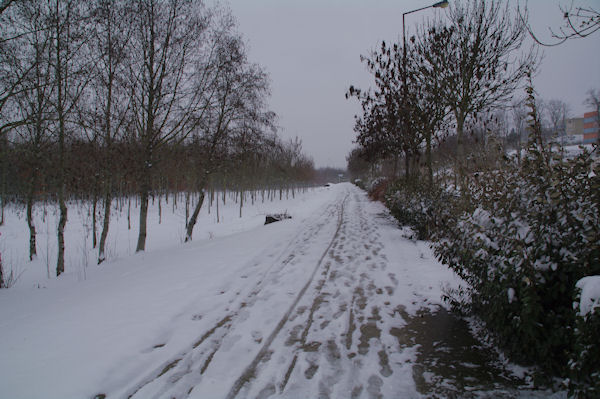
521	238
585	372
423	208
534	233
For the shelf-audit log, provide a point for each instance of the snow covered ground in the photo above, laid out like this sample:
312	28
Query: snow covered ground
570	150
335	302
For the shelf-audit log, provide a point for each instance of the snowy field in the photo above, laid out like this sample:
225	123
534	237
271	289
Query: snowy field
334	302
166	229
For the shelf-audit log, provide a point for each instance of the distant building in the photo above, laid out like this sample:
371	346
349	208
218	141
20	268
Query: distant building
591	127
574	126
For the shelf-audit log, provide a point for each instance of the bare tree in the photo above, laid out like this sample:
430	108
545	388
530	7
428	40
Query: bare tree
478	60
579	22
108	108
593	99
14	68
70	68
557	111
33	102
165	91
433	112
237	96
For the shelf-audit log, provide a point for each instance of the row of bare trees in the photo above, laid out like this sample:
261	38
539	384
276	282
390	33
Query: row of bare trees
454	70
455	84
105	94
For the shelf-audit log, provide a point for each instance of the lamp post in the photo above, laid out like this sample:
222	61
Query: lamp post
439	4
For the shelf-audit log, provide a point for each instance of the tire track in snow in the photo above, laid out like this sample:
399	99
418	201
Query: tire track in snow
250	370
331	348
343	354
204	349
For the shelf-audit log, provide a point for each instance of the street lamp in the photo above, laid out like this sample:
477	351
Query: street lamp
439	4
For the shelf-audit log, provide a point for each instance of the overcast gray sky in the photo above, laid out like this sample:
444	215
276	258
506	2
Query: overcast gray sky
311	50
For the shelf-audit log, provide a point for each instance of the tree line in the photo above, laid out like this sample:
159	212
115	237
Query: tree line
454	87
116	97
450	73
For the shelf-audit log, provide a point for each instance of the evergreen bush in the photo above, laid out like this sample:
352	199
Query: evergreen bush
520	236
423	208
534	234
583	365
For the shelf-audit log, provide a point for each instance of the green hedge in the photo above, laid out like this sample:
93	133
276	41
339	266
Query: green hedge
520	237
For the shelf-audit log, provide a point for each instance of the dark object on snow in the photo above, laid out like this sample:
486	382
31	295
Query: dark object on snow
276	217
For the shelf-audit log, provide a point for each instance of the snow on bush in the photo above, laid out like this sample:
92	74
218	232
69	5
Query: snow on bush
421	207
521	237
534	233
585	358
589	299
375	183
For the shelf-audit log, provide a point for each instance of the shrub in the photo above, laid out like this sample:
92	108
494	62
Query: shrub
424	208
534	234
583	365
522	237
377	189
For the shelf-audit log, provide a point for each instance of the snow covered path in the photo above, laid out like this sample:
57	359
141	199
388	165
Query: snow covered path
333	303
311	317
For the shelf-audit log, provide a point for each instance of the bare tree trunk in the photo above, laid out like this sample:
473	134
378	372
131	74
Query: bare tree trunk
145	189
106	222
159	209
129	212
62	221
192	222
94	205
187	208
460	150
32	234
210	200
241	201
